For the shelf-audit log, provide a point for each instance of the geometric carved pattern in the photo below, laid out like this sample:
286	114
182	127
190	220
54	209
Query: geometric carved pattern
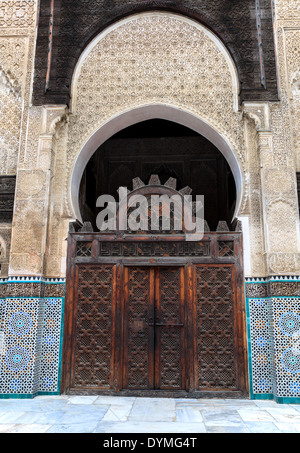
226	248
171	342
84	249
138	330
136	249
92	360
154	348
215	331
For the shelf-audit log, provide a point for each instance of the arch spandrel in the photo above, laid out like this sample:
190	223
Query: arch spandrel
145	43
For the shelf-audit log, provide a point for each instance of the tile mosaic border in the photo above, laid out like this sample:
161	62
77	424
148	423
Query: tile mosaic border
43	377
269	298
281	296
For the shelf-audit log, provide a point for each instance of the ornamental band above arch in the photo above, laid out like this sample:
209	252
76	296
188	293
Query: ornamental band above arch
245	27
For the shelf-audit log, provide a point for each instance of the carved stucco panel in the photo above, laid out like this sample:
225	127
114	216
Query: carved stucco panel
12	70
284	263
281	203
292	57
256	226
282	227
17	41
149	59
28	236
280	181
17	13
287	9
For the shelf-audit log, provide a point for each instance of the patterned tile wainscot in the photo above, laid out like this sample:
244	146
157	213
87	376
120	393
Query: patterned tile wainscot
273	327
31	315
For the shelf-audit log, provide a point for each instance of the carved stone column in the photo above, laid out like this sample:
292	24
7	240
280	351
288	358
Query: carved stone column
31	210
279	199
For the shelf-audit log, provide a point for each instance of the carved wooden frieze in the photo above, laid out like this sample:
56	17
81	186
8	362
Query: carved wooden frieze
139	249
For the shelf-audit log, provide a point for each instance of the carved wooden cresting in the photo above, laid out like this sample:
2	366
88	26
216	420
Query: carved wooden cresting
155	315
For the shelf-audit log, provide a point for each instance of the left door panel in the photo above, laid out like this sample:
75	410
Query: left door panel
93	328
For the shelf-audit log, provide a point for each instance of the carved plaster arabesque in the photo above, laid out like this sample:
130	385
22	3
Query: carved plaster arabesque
10	114
254	216
282	226
154	59
17	14
17	32
52	115
285	120
295	83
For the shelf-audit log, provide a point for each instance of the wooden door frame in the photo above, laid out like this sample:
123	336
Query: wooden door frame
106	248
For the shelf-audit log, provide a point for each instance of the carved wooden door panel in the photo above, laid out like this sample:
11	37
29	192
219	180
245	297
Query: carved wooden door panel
93	325
217	359
169	323
154	342
138	349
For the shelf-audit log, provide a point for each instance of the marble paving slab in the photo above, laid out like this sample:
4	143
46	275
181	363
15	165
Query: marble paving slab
114	414
150	427
221	417
156	409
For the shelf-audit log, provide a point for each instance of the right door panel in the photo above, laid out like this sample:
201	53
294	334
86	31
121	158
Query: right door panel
216	367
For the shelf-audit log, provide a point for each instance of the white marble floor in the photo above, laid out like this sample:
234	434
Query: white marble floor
103	414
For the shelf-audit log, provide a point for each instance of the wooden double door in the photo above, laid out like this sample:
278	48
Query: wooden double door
154	329
140	325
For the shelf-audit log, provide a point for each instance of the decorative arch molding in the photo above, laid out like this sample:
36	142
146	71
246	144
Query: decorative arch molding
147	112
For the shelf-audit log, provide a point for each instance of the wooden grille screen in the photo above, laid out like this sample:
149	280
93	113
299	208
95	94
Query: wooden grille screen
215	328
138	358
171	332
92	357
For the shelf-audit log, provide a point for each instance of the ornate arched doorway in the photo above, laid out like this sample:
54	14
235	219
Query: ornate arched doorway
151	313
